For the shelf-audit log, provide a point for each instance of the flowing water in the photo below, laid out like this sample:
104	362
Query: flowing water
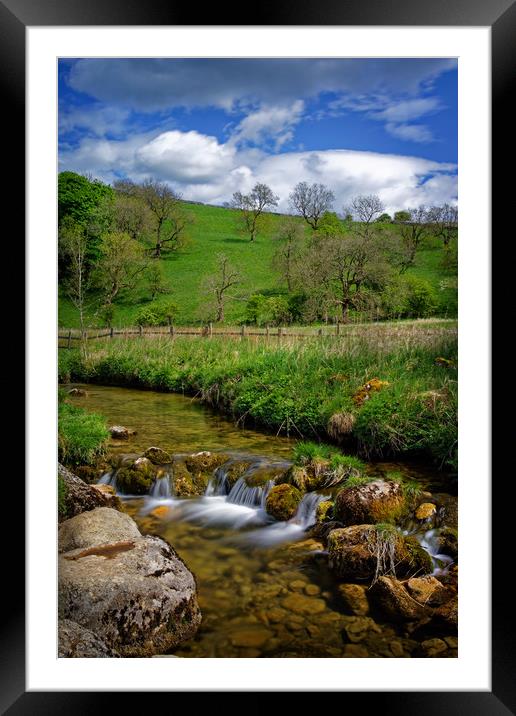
264	586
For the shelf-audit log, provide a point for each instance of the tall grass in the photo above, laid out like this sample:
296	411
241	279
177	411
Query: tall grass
82	436
295	388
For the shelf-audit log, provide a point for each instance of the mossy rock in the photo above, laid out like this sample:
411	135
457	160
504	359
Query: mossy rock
310	477
205	461
183	480
448	541
355	553
282	501
262	475
157	456
324	511
235	470
365	391
136	479
296	476
374	502
91	474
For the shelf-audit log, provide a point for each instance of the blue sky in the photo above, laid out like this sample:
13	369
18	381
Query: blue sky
210	127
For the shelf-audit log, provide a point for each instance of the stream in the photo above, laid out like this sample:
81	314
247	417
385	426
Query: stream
265	589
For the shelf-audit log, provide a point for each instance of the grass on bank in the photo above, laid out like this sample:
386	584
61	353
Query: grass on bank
299	388
82	436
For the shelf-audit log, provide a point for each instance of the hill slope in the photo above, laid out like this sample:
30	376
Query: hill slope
215	231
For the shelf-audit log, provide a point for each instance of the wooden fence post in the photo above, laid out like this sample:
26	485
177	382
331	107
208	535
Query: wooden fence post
210	328
172	330
111	332
242	330
69	339
337	329
280	331
267	332
141	331
319	332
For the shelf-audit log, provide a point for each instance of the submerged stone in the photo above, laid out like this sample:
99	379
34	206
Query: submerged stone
354	598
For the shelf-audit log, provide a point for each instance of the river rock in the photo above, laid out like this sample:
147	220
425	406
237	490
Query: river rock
425	511
99	526
357	628
108	491
74	641
448	542
378	501
302	604
354	598
447	615
157	456
205	462
250	637
78	393
79	497
354	552
133	592
324	511
282	501
137	478
427	590
395	602
120	432
262	475
433	647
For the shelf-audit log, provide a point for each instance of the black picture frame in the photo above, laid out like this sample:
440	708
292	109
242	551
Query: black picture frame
500	15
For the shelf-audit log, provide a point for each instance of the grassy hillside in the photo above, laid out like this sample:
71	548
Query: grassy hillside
214	231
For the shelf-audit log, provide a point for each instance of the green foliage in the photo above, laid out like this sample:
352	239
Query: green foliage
402	216
408	296
306	451
384	219
82	436
107	314
346	463
157	314
62	491
329	224
267	310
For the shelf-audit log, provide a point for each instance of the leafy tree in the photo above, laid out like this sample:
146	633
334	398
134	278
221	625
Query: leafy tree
169	218
267	310
121	265
401	216
252	206
311	201
329	224
290	235
157	314
73	244
413	232
444	221
384	218
155	279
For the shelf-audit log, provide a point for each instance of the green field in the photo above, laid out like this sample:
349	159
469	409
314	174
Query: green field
215	231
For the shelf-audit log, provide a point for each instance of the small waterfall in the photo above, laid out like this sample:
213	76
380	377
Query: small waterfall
218	484
305	515
242	494
161	488
429	541
109	478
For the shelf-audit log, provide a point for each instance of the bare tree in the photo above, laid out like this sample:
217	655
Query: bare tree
73	244
290	235
311	201
365	209
412	232
121	265
444	220
218	286
253	205
170	218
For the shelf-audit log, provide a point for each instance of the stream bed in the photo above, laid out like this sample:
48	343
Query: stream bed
265	589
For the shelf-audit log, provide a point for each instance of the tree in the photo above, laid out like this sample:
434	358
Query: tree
412	232
384	218
253	205
155	280
130	213
401	216
329	224
290	235
444	221
311	201
218	286
169	216
121	265
74	244
365	209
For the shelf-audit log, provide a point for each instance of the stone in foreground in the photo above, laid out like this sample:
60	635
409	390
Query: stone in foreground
74	641
133	592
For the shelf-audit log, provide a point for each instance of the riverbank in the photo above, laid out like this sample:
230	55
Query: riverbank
389	398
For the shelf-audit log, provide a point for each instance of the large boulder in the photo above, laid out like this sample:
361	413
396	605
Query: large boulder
378	501
79	497
132	592
282	501
428	590
74	641
361	552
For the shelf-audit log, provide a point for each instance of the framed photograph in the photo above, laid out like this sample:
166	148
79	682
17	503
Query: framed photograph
280	230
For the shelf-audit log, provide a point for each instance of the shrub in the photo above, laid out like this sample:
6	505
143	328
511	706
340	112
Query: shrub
267	310
157	314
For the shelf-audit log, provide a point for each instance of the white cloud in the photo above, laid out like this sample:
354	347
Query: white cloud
407	110
96	120
275	122
410	132
203	169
